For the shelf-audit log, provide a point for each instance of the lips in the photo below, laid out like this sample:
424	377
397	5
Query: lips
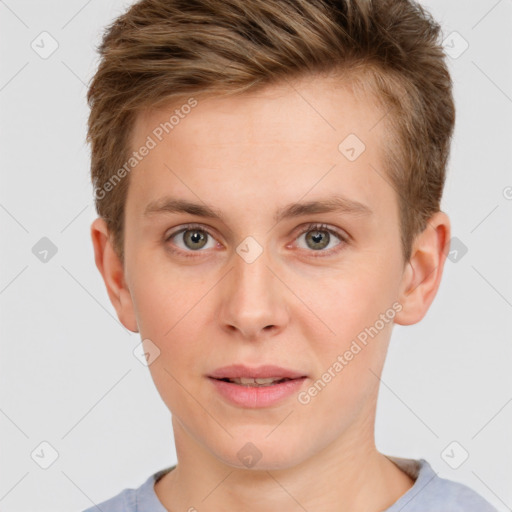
248	381
256	387
241	374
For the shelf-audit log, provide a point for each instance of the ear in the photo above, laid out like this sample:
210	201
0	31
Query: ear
112	271
424	270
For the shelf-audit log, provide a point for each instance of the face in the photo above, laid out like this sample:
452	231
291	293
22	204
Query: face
261	283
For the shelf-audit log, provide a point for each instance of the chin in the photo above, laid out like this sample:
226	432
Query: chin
261	451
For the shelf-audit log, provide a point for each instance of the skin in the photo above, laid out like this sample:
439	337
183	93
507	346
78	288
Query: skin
248	156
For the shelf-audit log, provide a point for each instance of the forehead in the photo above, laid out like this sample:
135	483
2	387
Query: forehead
326	106
281	142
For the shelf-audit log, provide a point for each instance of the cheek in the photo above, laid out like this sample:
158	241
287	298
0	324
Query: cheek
348	359
347	334
164	298
171	308
342	303
176	372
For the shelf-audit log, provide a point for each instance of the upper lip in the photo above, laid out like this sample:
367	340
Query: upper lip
259	372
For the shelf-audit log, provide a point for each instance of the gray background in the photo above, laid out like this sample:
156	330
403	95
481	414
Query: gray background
68	374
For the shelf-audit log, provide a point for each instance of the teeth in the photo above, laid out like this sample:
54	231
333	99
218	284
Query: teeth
245	381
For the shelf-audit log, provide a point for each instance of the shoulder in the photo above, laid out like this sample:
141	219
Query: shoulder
141	499
458	496
125	501
431	492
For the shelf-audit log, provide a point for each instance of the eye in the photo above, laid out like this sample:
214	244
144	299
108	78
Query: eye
318	237
191	238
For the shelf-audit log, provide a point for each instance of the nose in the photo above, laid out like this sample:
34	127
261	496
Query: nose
253	301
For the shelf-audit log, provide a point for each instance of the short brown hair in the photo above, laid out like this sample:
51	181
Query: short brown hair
161	51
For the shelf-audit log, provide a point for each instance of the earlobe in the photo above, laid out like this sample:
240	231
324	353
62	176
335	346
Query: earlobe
423	272
112	271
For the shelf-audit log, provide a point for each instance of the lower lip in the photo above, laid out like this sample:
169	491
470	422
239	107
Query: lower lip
257	396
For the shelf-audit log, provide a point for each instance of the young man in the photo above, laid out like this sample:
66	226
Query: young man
268	176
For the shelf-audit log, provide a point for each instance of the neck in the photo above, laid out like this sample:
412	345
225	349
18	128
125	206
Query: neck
348	475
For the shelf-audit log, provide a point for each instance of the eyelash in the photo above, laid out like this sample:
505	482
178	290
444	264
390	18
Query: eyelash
310	227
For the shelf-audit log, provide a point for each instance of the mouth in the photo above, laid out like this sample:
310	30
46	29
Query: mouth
257	382
264	375
260	386
251	388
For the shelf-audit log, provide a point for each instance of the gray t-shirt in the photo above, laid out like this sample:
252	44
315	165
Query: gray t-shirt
430	493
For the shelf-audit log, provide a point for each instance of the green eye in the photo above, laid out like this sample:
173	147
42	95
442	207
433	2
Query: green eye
192	238
318	237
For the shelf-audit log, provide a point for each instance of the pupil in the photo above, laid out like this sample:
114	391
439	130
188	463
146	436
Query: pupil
195	237
316	238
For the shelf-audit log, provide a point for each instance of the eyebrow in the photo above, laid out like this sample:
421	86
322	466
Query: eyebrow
330	204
